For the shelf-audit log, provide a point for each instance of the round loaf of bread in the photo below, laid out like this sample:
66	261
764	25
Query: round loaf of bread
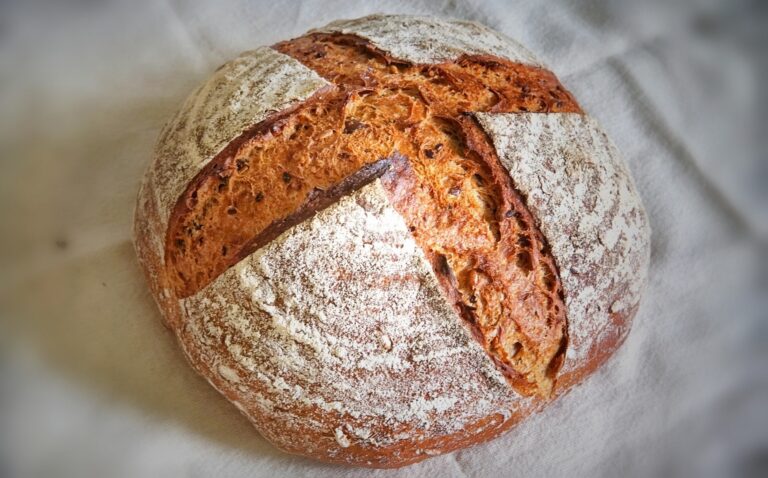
390	238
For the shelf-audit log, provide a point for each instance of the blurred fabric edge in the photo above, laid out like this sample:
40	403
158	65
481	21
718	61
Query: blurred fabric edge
92	385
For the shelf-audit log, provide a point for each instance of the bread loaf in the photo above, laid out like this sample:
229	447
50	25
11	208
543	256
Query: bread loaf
390	238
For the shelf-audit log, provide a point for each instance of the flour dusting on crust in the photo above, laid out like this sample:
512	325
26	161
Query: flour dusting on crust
431	40
580	191
238	95
339	326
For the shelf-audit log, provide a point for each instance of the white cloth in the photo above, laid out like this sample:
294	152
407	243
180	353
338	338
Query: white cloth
91	384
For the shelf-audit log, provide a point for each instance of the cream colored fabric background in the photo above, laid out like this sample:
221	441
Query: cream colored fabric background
92	385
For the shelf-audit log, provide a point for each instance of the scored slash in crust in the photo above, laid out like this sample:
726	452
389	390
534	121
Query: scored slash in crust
459	202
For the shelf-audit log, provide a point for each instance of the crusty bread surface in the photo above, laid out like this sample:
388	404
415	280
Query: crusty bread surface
390	238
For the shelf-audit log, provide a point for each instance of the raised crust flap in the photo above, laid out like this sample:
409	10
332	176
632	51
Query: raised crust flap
579	189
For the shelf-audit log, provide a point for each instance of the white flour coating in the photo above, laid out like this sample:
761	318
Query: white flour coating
583	197
356	265
431	40
238	95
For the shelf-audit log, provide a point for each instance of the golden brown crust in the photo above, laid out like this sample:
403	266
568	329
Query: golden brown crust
489	256
407	124
272	170
461	208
